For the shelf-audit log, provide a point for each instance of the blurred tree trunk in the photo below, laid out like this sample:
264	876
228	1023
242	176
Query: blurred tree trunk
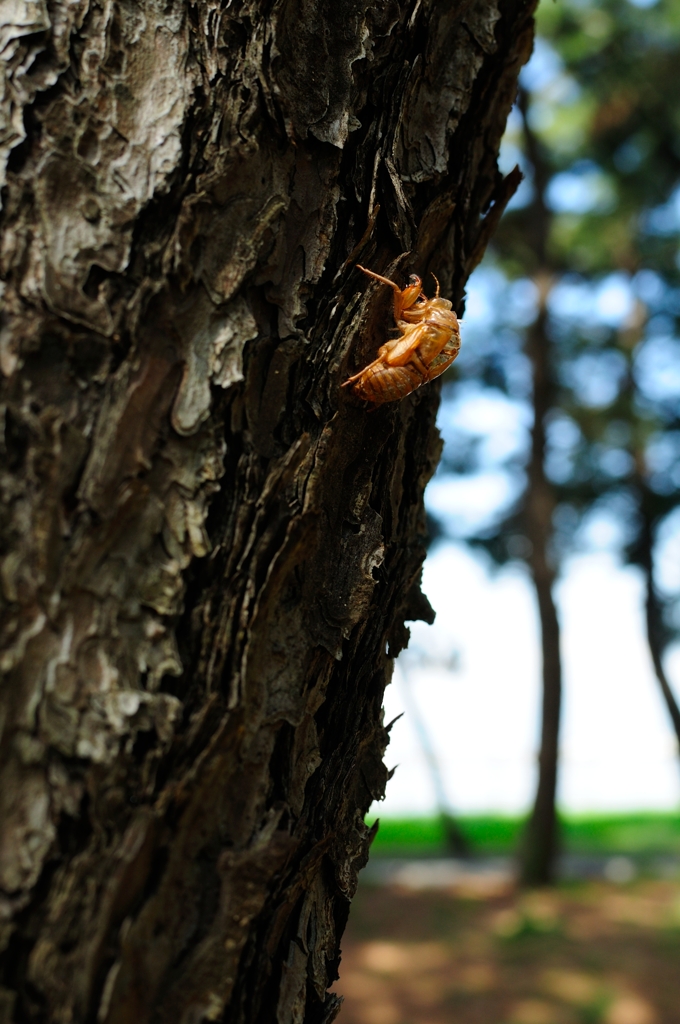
208	549
455	842
539	848
657	633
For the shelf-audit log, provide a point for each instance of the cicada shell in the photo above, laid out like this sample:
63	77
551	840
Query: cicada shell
429	341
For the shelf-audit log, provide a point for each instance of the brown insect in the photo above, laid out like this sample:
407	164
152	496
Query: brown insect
429	342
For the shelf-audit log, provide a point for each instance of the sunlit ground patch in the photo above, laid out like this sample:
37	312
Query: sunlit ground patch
594	953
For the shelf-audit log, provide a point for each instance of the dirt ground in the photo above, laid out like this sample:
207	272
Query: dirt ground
592	953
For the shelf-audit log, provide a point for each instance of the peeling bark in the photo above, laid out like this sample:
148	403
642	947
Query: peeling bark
209	551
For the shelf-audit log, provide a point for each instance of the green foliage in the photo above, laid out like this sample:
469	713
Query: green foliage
615	105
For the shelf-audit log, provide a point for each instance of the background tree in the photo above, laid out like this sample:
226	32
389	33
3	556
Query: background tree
585	289
208	550
455	842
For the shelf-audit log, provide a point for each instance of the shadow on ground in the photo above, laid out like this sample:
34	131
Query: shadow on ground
471	950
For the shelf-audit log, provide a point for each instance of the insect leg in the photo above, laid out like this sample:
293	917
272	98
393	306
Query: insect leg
350	380
400	351
379	277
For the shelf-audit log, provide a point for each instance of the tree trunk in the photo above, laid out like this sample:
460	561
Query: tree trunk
455	842
656	637
209	550
539	847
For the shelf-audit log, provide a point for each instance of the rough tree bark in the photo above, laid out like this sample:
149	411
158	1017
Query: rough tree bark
208	550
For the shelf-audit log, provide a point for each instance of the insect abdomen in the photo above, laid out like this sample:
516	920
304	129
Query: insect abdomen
379	384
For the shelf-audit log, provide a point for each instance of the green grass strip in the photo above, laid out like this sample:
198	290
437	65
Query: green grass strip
632	833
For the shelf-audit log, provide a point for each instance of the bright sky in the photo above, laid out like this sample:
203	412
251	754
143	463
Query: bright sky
474	676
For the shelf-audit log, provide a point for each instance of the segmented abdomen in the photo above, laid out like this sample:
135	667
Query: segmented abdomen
382	383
